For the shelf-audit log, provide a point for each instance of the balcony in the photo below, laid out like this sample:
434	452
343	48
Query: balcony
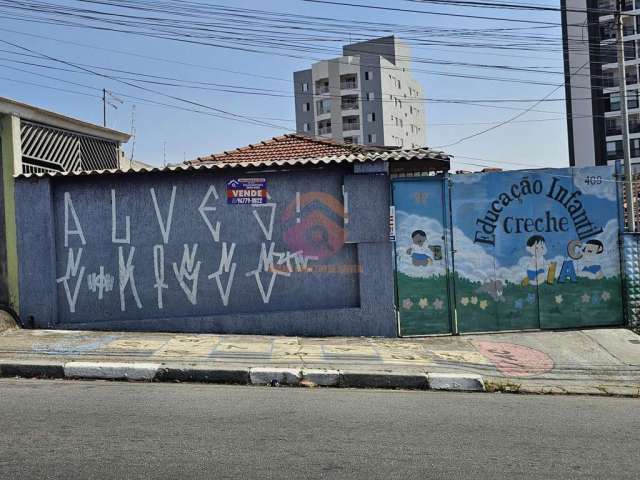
322	87
349	81
350	124
613	130
350	102
324	127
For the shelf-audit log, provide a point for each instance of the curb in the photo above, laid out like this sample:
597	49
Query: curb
31	369
239	375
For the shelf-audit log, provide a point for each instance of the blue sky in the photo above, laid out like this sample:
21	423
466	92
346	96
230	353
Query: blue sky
538	138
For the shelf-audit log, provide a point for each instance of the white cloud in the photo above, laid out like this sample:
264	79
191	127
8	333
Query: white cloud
586	180
406	224
474	263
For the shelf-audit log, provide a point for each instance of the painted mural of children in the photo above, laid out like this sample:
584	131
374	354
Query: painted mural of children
419	251
589	266
537	247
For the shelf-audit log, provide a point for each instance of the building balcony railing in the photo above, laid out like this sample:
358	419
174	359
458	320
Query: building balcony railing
324	130
350	106
349	85
320	89
351	126
613	131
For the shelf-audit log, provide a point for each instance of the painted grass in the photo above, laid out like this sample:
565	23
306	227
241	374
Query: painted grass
561	305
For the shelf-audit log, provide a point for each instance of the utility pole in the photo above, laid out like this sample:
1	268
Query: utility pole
622	74
104	107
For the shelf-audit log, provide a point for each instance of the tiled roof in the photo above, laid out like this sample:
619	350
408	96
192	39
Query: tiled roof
318	152
285	147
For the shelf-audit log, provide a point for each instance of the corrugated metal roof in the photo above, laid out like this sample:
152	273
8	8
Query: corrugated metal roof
386	156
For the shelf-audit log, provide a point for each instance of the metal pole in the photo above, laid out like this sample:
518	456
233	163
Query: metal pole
104	107
622	74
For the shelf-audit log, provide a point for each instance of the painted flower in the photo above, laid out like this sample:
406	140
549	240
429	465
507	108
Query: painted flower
559	299
484	304
531	298
464	301
518	304
585	298
474	300
423	303
606	296
438	304
407	304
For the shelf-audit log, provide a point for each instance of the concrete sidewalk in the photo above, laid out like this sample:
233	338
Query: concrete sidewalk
601	362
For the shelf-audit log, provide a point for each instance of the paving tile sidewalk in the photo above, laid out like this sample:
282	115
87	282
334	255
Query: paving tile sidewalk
603	361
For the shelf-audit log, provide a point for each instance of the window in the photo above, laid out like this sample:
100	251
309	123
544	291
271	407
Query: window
323	106
305	87
614	150
371	138
613	126
370	96
368	75
348	81
635	147
306	106
306	127
371	117
324	127
351	140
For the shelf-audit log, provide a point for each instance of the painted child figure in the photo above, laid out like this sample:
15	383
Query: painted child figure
589	266
420	253
537	247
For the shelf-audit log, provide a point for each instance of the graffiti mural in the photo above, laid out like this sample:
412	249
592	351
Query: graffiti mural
190	247
536	249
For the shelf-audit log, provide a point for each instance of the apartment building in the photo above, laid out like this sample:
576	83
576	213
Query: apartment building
367	96
592	80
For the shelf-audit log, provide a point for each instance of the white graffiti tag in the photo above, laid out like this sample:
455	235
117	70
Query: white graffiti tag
276	263
100	282
73	270
126	277
165	225
158	270
225	267
189	270
69	210
127	223
204	208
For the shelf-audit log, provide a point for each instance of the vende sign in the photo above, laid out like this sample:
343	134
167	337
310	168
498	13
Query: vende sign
247	191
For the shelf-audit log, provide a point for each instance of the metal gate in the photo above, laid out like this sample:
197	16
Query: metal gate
422	270
530	249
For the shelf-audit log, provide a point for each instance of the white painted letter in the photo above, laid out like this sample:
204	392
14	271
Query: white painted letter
165	226
126	277
68	208
127	223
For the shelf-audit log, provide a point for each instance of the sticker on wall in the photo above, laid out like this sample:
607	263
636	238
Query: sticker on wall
392	223
247	191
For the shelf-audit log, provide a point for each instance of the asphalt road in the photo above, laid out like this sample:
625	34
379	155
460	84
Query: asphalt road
89	430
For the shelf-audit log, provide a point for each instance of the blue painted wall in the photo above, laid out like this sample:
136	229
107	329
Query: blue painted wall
165	251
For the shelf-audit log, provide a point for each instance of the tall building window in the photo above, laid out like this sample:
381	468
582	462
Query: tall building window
371	138
306	106
368	75
370	96
306	127
371	117
305	87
